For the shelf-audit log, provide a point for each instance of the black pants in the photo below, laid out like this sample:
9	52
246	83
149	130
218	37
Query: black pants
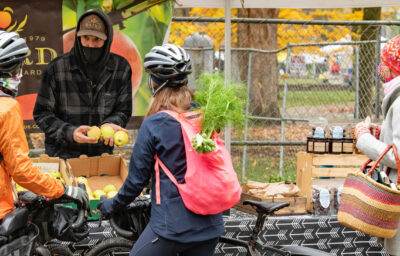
150	243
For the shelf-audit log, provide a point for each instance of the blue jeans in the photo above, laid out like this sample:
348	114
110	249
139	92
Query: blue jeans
150	243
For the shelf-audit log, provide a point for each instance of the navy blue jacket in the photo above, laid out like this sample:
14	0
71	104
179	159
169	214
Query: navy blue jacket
161	134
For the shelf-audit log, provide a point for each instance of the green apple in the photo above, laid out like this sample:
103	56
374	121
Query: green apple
107	131
111	194
20	188
109	188
81	179
94	132
55	174
120	138
98	193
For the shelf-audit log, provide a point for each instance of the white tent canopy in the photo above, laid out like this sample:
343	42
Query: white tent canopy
287	3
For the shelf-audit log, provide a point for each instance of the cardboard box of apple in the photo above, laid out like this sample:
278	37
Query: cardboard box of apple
109	190
120	137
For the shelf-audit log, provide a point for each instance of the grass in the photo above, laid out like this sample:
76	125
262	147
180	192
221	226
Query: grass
302	81
264	169
316	98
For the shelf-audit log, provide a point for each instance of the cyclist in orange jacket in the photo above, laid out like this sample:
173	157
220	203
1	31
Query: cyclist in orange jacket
14	150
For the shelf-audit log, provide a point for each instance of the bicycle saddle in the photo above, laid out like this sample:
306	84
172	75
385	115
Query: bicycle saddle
14	221
266	207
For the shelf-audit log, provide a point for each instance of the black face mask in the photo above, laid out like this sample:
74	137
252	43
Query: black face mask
91	54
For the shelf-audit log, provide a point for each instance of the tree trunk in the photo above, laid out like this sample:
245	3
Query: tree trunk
264	67
181	12
368	65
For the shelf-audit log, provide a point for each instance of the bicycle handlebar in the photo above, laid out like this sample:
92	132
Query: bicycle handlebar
139	202
32	200
120	231
80	219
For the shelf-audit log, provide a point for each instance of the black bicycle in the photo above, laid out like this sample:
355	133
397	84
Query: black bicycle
252	245
25	231
128	224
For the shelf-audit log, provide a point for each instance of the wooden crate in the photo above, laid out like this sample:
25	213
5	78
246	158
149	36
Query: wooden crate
297	204
310	166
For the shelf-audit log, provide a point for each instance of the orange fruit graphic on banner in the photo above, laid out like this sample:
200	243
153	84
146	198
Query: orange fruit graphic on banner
5	17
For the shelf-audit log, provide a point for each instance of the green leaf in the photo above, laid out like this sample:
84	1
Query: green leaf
220	103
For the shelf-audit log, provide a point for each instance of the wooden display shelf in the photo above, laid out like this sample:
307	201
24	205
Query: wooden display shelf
310	166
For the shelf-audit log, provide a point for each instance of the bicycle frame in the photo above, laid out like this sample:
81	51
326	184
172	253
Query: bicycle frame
255	247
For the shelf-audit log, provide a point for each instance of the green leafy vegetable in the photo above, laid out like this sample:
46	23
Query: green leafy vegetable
220	104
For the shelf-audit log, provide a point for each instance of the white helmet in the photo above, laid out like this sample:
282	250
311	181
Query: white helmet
13	51
169	64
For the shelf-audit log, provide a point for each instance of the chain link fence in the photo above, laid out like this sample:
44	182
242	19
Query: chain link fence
298	74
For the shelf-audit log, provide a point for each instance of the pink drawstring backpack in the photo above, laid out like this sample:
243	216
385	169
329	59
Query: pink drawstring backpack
211	184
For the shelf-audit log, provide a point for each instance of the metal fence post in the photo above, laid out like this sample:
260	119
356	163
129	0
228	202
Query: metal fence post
244	155
357	81
284	108
227	63
377	84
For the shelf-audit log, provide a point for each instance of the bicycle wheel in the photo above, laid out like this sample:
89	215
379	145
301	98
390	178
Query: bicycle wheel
59	250
112	246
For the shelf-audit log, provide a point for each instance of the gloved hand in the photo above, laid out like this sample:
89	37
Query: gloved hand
361	128
376	130
106	207
77	194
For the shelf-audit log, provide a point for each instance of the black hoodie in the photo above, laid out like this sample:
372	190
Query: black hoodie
93	71
68	98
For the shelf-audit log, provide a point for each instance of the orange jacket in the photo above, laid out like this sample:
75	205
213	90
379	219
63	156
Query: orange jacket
16	163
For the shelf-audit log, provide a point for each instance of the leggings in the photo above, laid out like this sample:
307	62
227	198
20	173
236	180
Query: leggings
150	243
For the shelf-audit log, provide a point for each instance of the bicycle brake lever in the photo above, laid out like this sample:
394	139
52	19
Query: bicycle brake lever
102	198
100	218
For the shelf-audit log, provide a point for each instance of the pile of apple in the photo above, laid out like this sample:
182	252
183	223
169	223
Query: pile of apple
56	175
109	190
120	137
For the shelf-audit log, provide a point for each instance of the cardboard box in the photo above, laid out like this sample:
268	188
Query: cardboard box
47	164
99	172
297	204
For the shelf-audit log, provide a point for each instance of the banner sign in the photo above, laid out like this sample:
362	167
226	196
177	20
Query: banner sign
49	29
31	20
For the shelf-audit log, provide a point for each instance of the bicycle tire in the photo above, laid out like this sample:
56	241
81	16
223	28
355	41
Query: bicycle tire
59	250
112	246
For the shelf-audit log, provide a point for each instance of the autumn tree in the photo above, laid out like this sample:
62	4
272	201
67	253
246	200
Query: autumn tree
215	30
264	67
368	63
264	78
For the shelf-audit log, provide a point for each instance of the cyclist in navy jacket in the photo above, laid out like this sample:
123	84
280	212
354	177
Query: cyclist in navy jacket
172	228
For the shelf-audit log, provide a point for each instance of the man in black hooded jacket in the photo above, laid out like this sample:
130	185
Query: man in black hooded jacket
88	86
